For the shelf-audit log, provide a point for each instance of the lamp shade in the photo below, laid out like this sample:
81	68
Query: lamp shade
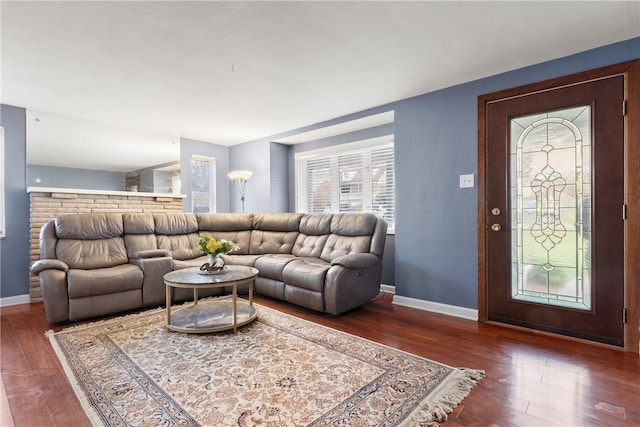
240	175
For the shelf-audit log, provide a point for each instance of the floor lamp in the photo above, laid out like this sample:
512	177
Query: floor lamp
240	178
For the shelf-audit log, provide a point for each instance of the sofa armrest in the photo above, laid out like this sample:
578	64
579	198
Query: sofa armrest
53	285
150	253
46	264
347	288
154	269
355	261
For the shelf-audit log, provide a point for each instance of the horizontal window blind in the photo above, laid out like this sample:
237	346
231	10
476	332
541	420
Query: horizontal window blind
318	188
357	180
383	184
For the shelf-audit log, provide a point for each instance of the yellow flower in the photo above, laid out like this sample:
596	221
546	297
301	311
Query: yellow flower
209	245
213	246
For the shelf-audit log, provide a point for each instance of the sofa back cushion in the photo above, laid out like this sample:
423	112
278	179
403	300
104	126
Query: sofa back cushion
274	233
314	231
90	254
228	226
178	235
379	237
139	233
89	226
89	241
348	224
349	234
224	221
175	224
277	221
138	223
272	242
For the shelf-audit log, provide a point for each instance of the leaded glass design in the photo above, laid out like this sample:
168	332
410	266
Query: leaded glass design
550	179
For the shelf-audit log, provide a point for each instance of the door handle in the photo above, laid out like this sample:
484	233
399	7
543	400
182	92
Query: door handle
496	227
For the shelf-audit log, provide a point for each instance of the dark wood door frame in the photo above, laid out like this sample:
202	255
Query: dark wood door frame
631	71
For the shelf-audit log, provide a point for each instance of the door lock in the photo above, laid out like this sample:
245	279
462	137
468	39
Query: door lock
496	227
495	211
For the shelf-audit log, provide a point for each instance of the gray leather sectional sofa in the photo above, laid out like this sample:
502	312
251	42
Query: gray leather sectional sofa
101	263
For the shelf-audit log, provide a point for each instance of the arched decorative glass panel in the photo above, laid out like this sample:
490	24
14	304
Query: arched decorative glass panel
550	176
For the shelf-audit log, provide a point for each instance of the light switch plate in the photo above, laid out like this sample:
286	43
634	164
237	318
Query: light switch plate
466	181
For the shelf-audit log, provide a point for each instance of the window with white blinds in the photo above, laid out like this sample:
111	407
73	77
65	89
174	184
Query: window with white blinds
355	177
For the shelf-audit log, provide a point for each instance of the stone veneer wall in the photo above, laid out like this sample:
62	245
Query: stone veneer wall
46	205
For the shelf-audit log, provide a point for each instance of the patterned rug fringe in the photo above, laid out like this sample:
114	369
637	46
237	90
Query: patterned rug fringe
432	415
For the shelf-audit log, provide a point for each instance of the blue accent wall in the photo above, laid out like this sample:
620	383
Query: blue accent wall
254	156
436	141
14	248
279	177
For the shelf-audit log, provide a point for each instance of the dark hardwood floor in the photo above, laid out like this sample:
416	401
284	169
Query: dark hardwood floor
532	379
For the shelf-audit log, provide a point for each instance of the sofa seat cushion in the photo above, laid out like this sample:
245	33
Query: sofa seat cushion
304	297
269	287
98	305
271	266
179	264
306	273
102	281
246	260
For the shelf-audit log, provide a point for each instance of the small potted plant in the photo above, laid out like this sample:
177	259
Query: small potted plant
214	248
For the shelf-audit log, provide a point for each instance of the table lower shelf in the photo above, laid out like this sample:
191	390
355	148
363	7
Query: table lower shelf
211	316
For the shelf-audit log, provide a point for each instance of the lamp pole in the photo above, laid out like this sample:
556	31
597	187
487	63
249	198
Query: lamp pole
240	183
240	179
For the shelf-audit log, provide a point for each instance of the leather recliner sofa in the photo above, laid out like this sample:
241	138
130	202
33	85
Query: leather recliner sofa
102	263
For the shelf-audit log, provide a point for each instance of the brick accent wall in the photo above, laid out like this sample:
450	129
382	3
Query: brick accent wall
46	205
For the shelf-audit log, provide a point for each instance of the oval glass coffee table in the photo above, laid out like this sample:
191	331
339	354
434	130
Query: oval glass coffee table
218	314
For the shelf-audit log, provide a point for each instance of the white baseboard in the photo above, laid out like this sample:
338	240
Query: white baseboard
436	307
18	299
390	289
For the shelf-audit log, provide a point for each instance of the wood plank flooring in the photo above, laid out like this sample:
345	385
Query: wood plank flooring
531	379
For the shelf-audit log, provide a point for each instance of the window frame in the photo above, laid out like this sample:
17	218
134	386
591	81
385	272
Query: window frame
365	148
212	182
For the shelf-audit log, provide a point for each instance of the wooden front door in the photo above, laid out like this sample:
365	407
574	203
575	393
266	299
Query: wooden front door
553	207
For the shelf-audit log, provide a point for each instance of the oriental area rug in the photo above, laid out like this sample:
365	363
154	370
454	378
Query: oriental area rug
277	371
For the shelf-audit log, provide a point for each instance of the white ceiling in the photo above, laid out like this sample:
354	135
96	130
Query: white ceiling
230	72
